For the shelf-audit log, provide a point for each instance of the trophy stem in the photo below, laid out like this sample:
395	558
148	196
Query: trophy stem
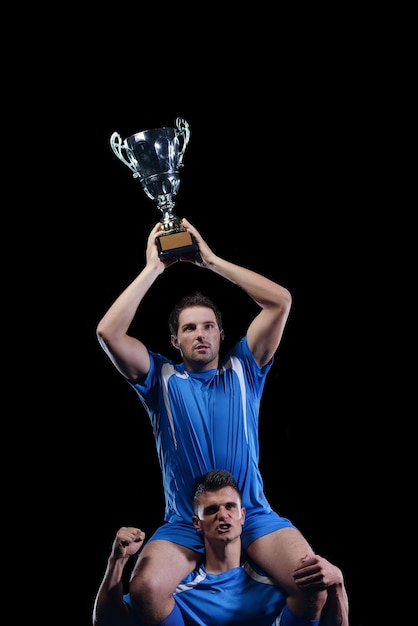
170	222
166	204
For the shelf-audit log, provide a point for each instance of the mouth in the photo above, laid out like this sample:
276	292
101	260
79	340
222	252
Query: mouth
222	528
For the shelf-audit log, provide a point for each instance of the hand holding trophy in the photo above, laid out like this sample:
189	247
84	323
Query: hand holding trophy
155	157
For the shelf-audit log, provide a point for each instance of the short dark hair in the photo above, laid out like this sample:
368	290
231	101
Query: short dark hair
195	299
213	481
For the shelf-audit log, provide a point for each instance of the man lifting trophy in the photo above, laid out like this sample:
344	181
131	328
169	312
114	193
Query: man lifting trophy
155	157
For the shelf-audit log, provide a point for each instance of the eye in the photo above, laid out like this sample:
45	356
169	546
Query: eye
211	510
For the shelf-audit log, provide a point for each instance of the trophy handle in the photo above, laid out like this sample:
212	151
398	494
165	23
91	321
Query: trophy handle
117	146
183	135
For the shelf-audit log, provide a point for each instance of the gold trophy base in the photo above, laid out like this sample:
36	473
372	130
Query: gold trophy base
177	245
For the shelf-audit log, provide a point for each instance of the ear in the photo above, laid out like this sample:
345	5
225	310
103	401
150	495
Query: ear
196	523
174	342
243	513
222	335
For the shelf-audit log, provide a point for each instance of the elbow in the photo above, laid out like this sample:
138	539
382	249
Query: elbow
100	329
100	334
288	299
103	336
284	301
105	330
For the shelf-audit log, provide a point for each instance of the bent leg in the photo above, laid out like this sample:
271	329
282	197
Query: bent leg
278	554
160	567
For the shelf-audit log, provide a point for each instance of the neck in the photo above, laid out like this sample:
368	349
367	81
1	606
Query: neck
222	557
195	366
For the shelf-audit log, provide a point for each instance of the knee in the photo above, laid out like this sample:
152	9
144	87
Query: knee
145	589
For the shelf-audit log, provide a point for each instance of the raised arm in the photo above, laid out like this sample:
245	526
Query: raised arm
109	607
265	331
128	354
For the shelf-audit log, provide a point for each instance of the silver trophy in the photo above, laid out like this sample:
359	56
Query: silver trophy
155	157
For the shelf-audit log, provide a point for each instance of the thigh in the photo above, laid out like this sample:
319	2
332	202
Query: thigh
278	553
165	564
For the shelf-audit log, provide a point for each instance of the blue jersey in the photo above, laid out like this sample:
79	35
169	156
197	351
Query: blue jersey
208	420
238	597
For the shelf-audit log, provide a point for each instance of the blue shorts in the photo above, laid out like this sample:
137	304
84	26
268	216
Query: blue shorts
256	525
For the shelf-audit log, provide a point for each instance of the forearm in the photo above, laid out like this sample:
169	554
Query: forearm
119	316
336	609
261	289
109	607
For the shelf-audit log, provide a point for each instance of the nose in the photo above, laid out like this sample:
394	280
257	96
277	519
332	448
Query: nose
223	512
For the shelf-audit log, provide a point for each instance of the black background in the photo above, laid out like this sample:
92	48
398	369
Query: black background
278	176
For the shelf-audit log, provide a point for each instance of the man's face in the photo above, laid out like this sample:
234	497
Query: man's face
220	515
198	338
